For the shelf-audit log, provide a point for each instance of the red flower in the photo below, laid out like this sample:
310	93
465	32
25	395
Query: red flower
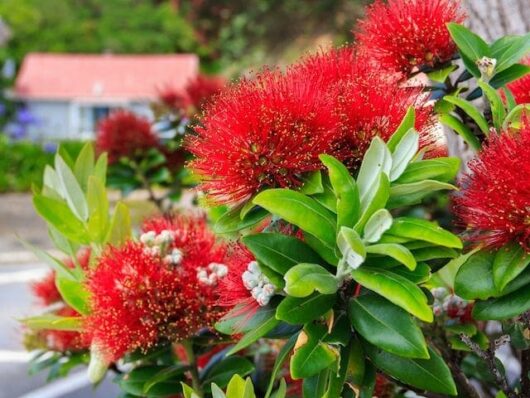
521	87
124	134
259	134
494	202
163	288
404	34
173	99
383	387
201	89
366	102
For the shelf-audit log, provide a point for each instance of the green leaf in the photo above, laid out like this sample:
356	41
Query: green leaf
280	252
421	273
509	262
265	326
57	265
377	160
497	106
120	226
134	381
298	311
404	153
406	124
377	225
387	326
441	169
474	279
84	165
188	391
217	392
59	215
376	199
510	74
441	75
74	293
239	388
413	193
100	169
281	392
434	252
73	194
515	115
508	50
346	191
470	44
303	279
396	251
427	374
163	375
301	211
395	288
53	322
414	228
98	209
312	183
471	111
505	307
461	129
314	355
315	386
352	247
282	356
222	371
327	253
231	221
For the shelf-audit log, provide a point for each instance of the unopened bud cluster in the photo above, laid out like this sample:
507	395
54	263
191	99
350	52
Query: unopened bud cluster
258	284
160	245
211	274
450	304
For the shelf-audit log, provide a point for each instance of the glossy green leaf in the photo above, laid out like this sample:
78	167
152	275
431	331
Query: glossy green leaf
468	42
303	279
413	193
375	199
301	211
282	356
474	279
240	321
239	388
396	289
441	75
377	160
98	209
509	50
299	311
421	273
163	375
315	386
231	221
352	247
427	374
133	382
328	253
496	104
53	322
396	251
471	111
505	307
74	293
346	191
258	332
377	225
120	226
312	183
314	355
509	262
441	169
423	230
84	165
514	72
280	252
221	373
405	150
461	129
387	326
73	194
406	124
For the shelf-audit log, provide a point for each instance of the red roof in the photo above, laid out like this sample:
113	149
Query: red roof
102	77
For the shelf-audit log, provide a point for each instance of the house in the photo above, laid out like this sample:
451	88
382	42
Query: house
69	93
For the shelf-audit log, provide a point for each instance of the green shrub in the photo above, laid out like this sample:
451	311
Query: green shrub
22	163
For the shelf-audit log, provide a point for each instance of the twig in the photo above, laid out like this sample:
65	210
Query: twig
489	357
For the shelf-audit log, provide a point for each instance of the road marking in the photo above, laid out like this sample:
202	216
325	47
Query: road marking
32	275
15	356
61	387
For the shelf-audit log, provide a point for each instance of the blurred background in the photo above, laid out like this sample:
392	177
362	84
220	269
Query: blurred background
67	64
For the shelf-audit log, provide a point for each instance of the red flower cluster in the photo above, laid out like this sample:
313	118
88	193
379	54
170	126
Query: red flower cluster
159	289
521	87
268	132
494	202
404	34
198	92
259	134
124	134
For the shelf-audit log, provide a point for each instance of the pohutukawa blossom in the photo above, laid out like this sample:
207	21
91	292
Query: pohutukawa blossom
405	34
494	202
149	291
202	89
366	101
521	87
260	134
124	134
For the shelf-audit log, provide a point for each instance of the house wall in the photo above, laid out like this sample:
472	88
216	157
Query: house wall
61	120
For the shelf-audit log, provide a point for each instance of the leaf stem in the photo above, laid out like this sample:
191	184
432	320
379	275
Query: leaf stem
188	347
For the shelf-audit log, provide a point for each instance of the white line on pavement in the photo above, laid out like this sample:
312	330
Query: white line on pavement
60	387
7	278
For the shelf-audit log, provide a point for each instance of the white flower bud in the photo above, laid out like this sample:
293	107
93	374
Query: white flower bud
439	293
148	238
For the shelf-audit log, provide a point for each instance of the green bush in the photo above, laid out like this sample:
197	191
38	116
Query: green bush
22	163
